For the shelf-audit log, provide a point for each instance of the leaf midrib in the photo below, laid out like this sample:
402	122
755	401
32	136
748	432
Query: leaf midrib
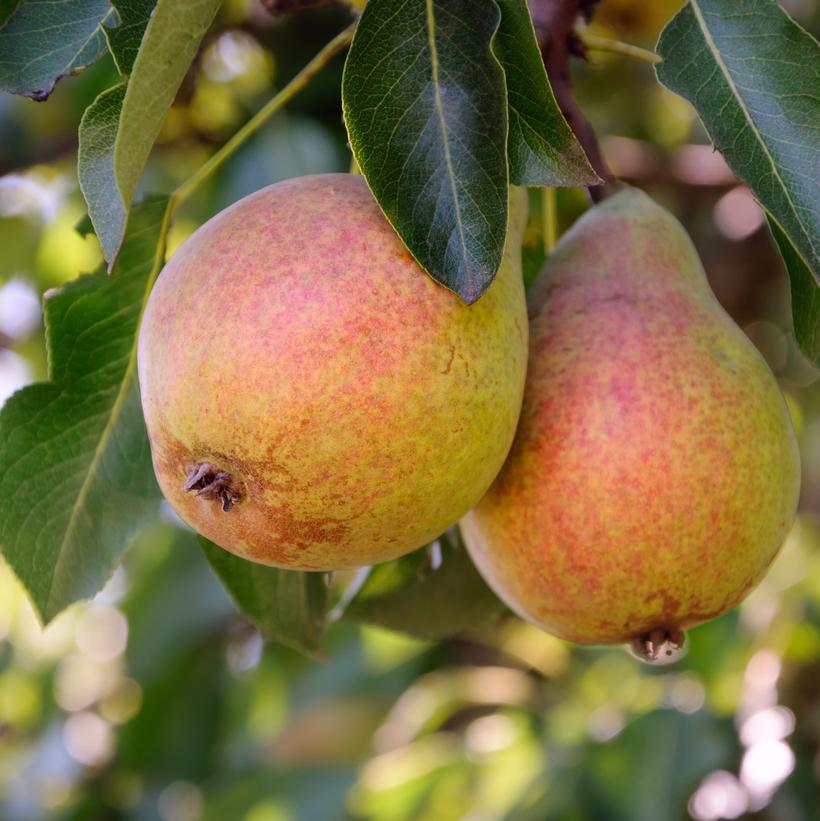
434	65
724	69
113	418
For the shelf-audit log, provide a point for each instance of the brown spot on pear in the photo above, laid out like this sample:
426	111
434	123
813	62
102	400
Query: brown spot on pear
297	378
655	472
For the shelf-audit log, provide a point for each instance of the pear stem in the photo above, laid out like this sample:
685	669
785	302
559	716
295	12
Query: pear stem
554	22
549	219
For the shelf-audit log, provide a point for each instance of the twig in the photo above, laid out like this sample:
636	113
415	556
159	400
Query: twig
554	21
322	58
595	43
549	219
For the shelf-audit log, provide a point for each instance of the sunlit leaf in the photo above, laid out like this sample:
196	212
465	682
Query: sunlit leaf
76	482
118	130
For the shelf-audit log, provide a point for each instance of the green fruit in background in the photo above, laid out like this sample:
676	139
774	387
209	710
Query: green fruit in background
655	472
313	399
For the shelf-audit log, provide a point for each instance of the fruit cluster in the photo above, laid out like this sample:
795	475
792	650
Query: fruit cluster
622	463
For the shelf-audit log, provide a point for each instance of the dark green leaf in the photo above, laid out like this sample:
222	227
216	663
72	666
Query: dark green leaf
286	605
646	773
98	135
76	482
752	74
181	717
124	40
410	596
168	567
651	769
805	296
6	8
426	111
118	129
42	42
541	147
84	226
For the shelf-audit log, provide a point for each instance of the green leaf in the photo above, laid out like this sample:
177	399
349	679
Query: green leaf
660	757
425	107
541	147
42	41
118	129
752	74
124	39
84	226
98	135
76	481
6	8
411	596
805	296
287	606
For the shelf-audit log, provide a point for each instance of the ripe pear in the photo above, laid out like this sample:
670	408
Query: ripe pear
313	399
655	472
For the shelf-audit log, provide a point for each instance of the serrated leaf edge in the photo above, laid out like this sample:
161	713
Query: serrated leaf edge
122	392
710	43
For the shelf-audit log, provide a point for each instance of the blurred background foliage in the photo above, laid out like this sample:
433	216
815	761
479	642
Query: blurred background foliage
156	701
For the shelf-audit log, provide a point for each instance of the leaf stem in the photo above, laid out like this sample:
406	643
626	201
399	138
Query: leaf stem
549	219
595	43
322	58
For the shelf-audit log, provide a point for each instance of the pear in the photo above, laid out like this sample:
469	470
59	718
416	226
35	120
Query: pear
655	472
313	399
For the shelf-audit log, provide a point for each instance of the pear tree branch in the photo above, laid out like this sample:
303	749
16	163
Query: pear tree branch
554	22
340	42
592	42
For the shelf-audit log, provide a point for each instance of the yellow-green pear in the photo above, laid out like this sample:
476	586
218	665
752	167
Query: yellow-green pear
655	472
313	399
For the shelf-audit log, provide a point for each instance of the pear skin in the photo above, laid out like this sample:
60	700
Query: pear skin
313	399
655	472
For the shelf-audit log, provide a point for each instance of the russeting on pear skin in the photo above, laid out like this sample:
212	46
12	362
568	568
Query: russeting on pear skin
313	399
655	472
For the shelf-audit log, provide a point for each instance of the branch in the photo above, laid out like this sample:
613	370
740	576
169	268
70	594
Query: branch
593	42
338	44
554	21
